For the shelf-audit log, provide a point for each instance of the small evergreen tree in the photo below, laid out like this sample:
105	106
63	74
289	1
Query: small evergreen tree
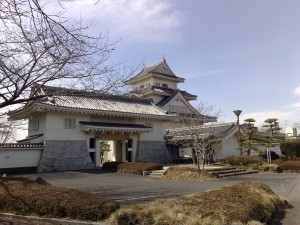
272	136
250	136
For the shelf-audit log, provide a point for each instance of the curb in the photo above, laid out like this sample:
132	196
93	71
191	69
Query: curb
28	219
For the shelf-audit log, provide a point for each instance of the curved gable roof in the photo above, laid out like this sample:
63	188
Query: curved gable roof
160	68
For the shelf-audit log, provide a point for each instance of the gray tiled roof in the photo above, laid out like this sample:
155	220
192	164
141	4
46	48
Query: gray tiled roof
96	102
218	130
113	125
105	102
167	91
156	68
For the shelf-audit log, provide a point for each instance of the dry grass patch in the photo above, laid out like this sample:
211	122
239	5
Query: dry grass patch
131	167
25	197
185	173
138	167
244	203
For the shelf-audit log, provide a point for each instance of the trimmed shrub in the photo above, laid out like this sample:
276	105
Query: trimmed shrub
111	166
291	148
242	160
186	173
290	165
26	197
138	167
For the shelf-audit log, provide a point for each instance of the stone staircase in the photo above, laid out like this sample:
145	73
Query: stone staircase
217	172
154	173
229	171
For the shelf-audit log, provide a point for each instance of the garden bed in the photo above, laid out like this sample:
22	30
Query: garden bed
242	203
22	196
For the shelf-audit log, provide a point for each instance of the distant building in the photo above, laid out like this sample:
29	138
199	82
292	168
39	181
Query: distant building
291	132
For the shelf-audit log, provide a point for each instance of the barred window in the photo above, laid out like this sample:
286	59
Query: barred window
36	125
70	123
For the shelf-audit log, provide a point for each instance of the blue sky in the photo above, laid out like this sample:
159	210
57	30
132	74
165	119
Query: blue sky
234	54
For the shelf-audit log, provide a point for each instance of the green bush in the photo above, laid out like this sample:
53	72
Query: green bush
26	197
291	148
138	167
242	160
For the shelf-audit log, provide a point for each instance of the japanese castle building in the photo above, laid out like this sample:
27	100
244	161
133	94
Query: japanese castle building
71	124
68	129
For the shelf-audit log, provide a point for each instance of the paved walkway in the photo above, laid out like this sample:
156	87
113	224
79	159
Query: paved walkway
292	216
132	189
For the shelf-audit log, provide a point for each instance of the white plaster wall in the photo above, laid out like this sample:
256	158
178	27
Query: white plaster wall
156	98
55	127
178	102
42	124
156	133
228	147
19	158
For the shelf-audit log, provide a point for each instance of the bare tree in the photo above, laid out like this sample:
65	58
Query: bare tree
9	129
36	47
297	124
188	132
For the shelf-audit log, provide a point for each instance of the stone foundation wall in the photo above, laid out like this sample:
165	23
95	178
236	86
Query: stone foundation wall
152	151
65	156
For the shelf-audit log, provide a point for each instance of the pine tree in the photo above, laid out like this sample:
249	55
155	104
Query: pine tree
272	136
250	136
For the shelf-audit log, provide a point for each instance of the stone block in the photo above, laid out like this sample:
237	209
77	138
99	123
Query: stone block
79	162
53	155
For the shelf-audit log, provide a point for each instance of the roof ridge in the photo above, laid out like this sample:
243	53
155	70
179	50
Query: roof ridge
155	64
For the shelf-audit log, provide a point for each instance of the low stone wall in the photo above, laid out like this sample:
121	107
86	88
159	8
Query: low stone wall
153	151
65	156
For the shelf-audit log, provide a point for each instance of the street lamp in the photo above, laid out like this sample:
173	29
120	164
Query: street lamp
238	113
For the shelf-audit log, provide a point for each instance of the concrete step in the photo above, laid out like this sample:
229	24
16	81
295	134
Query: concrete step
237	173
156	173
227	171
220	169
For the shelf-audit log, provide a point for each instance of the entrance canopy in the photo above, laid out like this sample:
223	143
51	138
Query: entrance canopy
113	127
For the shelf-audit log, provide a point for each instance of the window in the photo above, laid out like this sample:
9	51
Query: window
164	85
35	124
142	86
70	123
92	143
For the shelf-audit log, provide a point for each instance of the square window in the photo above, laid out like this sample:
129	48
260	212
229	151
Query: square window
70	123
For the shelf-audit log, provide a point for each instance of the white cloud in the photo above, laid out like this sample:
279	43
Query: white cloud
143	20
260	117
297	91
296	105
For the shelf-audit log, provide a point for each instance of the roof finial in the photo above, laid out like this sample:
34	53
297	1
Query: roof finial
163	58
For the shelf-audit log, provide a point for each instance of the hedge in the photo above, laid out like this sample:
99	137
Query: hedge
291	148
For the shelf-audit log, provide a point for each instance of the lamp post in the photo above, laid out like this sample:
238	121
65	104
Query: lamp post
238	113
